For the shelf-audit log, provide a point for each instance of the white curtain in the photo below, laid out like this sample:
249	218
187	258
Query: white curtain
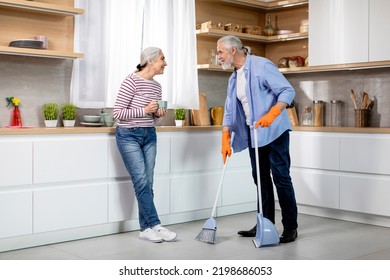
112	34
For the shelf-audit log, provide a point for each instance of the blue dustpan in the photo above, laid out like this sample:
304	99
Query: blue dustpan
266	233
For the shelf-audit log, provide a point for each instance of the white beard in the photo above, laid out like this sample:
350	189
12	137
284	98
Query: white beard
227	63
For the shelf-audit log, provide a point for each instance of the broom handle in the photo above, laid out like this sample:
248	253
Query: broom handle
259	199
221	181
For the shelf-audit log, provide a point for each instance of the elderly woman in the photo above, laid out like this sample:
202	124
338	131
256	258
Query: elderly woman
137	112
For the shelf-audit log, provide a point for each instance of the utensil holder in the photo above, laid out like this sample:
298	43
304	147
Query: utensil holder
361	117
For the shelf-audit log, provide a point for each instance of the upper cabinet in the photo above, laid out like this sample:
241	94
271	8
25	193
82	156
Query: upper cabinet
348	31
379	41
338	31
23	20
217	18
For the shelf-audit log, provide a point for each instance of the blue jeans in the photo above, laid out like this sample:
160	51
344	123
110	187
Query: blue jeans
275	158
137	147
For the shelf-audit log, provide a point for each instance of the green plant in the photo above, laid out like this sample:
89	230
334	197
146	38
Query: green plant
180	114
50	111
69	111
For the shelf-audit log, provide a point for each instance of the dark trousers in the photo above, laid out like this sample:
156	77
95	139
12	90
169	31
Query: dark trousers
274	159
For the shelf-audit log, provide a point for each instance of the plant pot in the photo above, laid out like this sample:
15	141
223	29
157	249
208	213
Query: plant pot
179	122
69	123
51	123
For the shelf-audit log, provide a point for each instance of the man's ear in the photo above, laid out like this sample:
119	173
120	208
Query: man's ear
234	49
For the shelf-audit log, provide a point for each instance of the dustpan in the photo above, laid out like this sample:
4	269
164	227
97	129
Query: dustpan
266	233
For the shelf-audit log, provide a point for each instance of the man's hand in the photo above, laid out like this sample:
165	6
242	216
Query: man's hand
226	149
268	118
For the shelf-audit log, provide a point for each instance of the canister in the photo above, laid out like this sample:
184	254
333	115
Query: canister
335	119
318	113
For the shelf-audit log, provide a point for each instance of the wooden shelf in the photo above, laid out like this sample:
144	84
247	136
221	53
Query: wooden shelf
39	53
41	7
268	5
249	37
311	69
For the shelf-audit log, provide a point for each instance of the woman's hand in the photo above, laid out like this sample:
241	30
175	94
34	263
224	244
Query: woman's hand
160	112
151	107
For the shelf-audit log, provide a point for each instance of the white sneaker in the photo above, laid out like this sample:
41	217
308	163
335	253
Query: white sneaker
164	233
151	235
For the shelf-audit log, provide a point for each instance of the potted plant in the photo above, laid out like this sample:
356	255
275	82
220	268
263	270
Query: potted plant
50	114
180	115
69	114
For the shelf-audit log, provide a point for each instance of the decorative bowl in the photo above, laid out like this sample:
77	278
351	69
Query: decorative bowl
92	119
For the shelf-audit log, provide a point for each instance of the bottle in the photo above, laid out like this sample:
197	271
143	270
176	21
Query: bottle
276	27
318	113
335	113
307	118
268	29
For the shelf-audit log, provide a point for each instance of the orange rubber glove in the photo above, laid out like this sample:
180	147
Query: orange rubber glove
267	119
226	149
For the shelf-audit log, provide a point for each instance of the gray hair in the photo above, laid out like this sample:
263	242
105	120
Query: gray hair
231	41
148	54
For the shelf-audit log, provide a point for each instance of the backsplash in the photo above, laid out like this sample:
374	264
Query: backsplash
36	81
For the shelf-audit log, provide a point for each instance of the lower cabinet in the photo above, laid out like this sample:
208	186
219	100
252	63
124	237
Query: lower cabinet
76	186
342	171
16	213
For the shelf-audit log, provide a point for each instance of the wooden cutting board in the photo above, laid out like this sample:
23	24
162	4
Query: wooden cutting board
201	117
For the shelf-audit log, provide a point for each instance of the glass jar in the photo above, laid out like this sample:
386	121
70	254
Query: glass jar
268	29
307	118
335	119
318	113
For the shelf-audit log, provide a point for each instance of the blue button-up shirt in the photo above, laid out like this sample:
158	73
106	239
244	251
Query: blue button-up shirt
265	86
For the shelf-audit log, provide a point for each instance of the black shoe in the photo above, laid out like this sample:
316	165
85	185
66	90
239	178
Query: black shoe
248	233
288	236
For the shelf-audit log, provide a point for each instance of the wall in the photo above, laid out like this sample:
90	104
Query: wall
323	86
36	81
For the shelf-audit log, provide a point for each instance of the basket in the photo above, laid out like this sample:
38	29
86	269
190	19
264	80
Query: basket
361	117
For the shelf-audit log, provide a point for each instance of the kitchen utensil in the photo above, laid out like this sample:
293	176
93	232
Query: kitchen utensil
266	233
353	97
27	43
208	233
92	119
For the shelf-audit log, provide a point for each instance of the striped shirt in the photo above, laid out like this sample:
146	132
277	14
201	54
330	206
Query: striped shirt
134	94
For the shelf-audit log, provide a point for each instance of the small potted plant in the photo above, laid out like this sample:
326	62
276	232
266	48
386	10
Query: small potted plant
180	115
69	114
50	114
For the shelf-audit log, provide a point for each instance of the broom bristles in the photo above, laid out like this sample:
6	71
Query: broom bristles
207	235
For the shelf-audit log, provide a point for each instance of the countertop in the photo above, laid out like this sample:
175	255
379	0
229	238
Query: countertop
111	130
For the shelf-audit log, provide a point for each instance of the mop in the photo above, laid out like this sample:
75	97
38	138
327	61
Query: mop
208	233
266	233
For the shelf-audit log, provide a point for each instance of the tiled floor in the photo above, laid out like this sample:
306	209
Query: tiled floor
319	239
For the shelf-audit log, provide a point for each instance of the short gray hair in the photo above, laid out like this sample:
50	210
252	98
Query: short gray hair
231	41
148	54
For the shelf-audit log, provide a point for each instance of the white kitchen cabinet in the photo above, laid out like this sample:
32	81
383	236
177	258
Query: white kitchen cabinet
70	158
16	162
365	154
116	167
195	152
339	31
365	193
57	208
379	41
122	203
16	213
316	187
314	150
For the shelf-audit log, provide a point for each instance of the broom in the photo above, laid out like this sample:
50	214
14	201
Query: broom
208	233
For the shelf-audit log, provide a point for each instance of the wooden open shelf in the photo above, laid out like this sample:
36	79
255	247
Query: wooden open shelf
249	37
21	19
268	5
41	7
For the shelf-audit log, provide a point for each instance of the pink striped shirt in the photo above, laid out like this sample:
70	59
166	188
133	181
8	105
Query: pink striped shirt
134	94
